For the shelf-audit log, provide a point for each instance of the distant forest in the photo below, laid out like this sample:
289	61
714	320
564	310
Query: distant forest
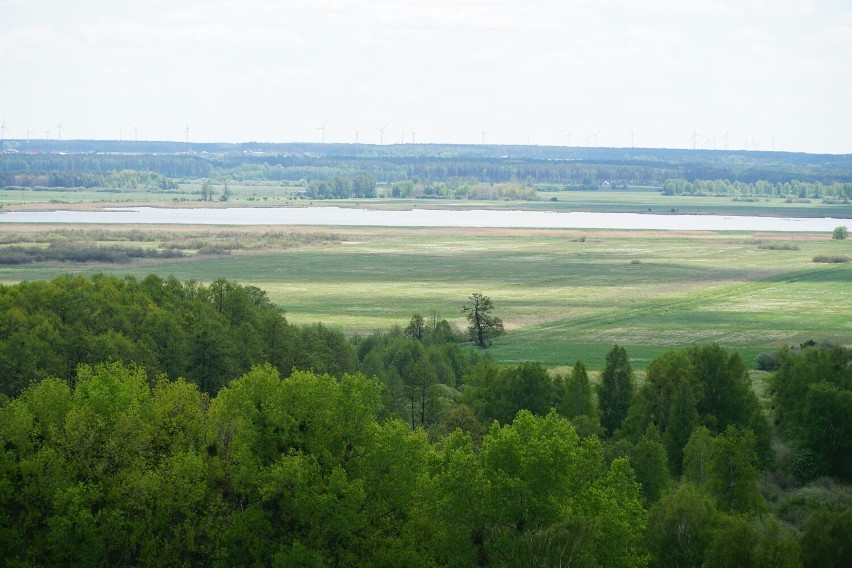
104	164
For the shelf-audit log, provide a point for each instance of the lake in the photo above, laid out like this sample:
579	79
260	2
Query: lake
343	216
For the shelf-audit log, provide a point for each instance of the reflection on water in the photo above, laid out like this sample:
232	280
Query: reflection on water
337	216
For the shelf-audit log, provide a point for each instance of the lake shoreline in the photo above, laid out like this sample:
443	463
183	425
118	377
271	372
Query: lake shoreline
416	205
335	216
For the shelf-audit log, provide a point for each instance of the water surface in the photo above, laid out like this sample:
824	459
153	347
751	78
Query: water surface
343	216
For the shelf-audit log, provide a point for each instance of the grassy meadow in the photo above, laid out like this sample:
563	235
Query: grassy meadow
266	193
563	295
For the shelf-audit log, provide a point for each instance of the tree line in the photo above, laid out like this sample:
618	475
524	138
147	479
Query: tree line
126	179
402	447
204	333
761	188
569	168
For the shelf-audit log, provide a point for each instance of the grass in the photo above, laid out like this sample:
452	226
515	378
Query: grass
650	201
561	299
267	193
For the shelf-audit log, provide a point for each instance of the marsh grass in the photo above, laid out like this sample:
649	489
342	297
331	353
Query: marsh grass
561	299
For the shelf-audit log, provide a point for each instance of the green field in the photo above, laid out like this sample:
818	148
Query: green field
562	298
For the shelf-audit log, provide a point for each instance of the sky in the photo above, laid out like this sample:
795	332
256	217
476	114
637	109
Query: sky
736	74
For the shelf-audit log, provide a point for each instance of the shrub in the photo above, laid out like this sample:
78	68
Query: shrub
777	246
767	361
840	233
830	259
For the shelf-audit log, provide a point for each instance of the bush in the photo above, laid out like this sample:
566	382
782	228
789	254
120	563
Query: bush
840	233
767	361
72	252
830	259
777	246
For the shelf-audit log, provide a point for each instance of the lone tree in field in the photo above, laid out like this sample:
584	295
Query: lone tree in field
483	326
840	233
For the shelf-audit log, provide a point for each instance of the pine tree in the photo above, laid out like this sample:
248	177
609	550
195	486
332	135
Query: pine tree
616	389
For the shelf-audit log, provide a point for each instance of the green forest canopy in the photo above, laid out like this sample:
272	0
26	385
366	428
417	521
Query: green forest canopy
125	441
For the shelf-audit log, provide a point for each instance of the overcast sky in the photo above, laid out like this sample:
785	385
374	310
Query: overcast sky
537	71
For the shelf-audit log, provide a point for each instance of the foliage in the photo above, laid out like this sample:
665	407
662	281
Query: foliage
682	420
697	455
296	471
206	334
680	528
62	252
767	361
812	393
420	376
482	325
733	472
614	298
760	542
577	398
535	494
126	179
699	385
794	188
362	186
648	459
831	259
432	331
840	233
793	175
827	540
499	393
113	463
615	391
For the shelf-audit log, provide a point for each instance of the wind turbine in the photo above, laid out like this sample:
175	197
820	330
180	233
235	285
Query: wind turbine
357	133
483	138
595	136
694	137
186	131
135	133
632	138
412	137
323	129
726	138
402	137
47	133
3	129
60	128
382	134
568	140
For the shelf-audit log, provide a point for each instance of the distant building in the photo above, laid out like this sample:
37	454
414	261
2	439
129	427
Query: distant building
604	185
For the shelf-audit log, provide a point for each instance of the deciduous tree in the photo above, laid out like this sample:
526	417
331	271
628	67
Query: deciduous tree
483	325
